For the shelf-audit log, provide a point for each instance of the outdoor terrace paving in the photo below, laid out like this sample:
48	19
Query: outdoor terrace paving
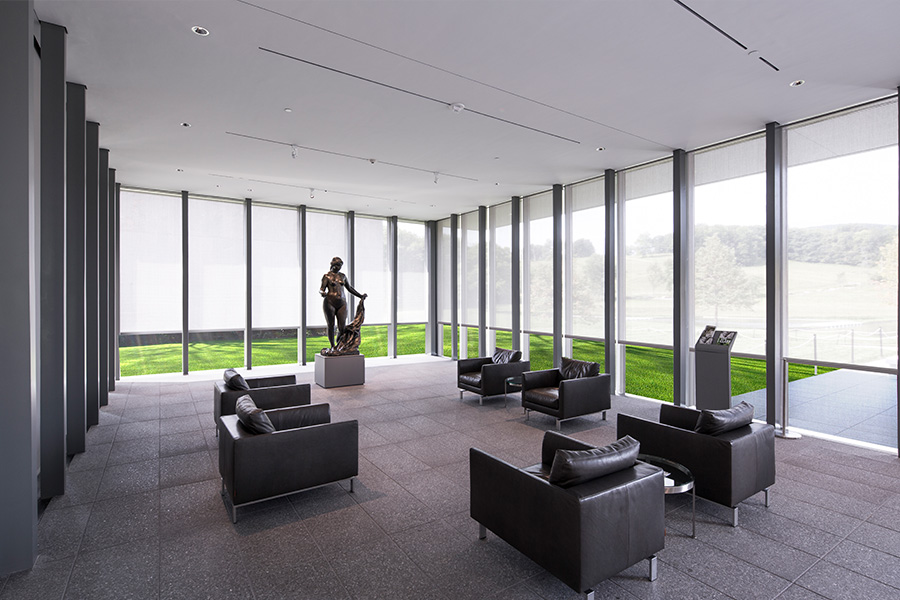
143	518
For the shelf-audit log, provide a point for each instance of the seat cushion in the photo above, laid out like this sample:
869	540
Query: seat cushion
234	380
576	369
472	378
714	422
547	396
571	467
251	416
502	356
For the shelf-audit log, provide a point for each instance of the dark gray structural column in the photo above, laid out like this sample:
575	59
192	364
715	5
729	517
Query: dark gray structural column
454	286
392	330
103	276
483	349
185	279
515	213
775	229
557	273
76	407
113	283
53	259
19	304
680	256
117	313
248	284
351	249
898	279
432	330
609	300
301	335
91	270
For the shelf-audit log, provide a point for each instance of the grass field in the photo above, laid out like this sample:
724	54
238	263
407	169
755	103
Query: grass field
648	371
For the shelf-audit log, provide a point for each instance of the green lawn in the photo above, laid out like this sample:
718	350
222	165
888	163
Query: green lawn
648	371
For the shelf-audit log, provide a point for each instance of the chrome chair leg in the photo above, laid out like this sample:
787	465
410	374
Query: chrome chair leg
766	491
654	572
734	516
482	531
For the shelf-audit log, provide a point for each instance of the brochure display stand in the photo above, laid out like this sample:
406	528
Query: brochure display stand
712	362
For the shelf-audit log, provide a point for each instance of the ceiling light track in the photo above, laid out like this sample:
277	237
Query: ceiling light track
343	155
311	190
722	32
411	93
452	73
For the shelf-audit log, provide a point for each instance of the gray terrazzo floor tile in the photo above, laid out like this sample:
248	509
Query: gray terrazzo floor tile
141	429
123	519
670	583
130	570
392	459
796	592
179	424
867	561
186	468
141	413
47	579
136	450
786	531
393	432
81	488
130	478
435	490
60	531
202	565
101	434
837	583
547	587
182	443
382	570
348	527
94	457
439	450
875	536
168	411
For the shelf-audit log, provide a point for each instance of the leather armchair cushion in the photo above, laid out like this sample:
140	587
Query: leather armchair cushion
251	416
502	356
548	397
714	422
576	369
234	380
473	378
572	467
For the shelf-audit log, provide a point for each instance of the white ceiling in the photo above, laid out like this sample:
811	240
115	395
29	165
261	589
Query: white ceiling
637	77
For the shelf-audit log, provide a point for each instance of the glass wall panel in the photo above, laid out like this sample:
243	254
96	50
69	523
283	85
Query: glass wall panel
150	283
468	264
537	267
326	237
730	243
842	237
585	219
499	264
217	280
443	282
412	287
373	277
275	284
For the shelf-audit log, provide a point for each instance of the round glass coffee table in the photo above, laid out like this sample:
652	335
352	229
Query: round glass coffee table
511	384
677	480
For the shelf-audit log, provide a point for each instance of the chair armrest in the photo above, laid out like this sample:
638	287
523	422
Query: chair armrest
299	416
265	398
493	376
540	379
260	382
584	395
468	365
554	441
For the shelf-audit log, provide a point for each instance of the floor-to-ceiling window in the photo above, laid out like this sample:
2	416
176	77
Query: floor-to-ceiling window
498	277
217	284
373	277
326	238
275	284
412	288
646	282
585	239
444	299
150	283
468	285
729	255
537	279
842	270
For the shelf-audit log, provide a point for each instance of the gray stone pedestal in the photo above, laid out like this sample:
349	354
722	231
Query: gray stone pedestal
339	371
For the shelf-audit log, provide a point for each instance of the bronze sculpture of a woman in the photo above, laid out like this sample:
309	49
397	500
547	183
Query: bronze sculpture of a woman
334	305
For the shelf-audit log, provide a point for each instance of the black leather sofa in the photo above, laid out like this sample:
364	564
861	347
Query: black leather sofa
267	392
306	450
581	534
485	377
728	468
552	393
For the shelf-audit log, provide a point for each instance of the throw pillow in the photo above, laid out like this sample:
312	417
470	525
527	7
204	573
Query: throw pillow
714	422
502	356
251	416
576	369
234	381
571	467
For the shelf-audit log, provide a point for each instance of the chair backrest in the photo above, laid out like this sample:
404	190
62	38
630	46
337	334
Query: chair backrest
678	416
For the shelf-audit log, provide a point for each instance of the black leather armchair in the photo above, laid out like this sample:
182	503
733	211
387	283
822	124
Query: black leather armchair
267	392
305	451
581	534
728	468
547	392
484	377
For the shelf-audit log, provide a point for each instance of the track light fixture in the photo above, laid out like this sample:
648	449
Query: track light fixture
294	151
435	177
312	193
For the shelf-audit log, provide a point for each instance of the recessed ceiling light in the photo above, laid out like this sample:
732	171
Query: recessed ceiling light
180	170
457	107
203	31
185	124
797	83
599	148
288	110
